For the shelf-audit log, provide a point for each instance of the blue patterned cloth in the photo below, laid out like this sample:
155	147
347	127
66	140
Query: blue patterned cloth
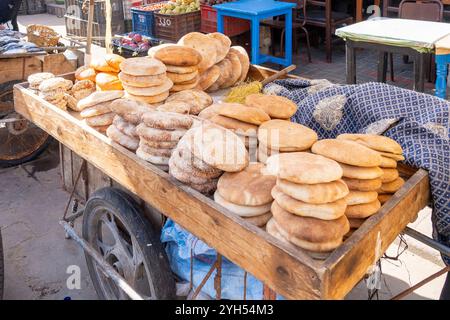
418	122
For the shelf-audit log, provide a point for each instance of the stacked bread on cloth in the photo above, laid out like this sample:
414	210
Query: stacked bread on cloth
309	207
159	134
204	153
361	172
95	108
390	152
221	65
127	115
182	65
247	194
144	79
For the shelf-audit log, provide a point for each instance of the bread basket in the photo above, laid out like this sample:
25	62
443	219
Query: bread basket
42	36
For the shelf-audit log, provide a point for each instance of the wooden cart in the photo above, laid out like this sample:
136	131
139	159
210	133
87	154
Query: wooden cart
284	268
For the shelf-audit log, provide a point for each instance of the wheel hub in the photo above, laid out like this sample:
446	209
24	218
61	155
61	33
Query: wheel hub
16	127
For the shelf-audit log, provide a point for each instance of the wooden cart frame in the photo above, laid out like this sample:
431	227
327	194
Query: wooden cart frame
284	268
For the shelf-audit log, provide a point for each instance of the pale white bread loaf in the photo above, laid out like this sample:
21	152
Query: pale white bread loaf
125	127
313	248
116	135
360	197
152	100
142	81
375	142
158	152
185	176
176	106
391	187
242	211
223	45
355	172
259	221
101	120
236	70
167	120
220	148
248	187
348	152
96	110
244	59
310	229
130	110
325	211
314	193
185	161
243	113
152	159
275	106
286	136
149	91
199	99
205	45
363	185
388	162
389	175
303	167
142	66
99	97
363	210
153	134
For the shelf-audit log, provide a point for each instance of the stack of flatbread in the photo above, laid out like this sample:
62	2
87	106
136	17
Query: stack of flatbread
247	194
159	134
277	136
182	64
35	79
390	152
361	172
204	153
54	90
95	108
145	79
222	66
80	90
128	114
191	101
309	207
276	107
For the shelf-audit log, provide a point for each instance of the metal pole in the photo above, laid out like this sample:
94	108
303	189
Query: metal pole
108	269
428	241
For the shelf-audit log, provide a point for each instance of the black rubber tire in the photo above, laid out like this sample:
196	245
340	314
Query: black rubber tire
2	268
124	206
4	87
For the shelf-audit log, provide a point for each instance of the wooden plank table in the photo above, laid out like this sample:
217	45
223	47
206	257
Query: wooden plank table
286	269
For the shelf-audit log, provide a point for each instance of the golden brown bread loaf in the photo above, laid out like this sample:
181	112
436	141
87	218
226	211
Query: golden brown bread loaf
108	81
177	55
275	106
375	142
243	113
363	210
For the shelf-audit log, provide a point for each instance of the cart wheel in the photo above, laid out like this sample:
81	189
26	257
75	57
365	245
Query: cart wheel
126	240
2	269
20	141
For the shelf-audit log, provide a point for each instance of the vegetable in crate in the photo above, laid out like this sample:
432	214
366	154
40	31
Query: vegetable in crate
180	7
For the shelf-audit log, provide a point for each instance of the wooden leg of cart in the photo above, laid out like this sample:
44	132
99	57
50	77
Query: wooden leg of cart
269	294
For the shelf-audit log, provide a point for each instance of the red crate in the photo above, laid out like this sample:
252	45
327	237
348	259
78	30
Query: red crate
232	26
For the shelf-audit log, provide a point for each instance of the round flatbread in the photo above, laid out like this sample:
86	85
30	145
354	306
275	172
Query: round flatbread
124	126
185	161
205	45
244	59
236	70
130	110
181	70
176	55
389	175
158	134
243	113
208	77
348	152
167	120
360	197
152	159
223	45
226	70
183	86
206	188
391	187
158	152
325	211
248	187
242	211
159	144
396	157
375	142
363	185
388	162
314	193
176	106
185	176
124	140
383	198
259	221
142	81
149	91
102	120
148	99
142	66
199	99
180	78
303	167
363	210
244	128
96	110
275	106
286	136
355	172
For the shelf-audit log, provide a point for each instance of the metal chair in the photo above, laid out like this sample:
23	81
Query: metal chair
297	25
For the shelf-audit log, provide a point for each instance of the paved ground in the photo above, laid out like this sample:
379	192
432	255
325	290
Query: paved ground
37	255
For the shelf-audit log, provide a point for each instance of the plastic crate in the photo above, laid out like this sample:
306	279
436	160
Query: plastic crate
36	6
173	26
231	26
143	21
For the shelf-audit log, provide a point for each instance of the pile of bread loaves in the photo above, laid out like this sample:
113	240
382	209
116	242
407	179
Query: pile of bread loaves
103	70
50	88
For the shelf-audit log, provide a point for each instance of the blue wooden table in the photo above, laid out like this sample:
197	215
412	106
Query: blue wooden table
442	62
255	11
